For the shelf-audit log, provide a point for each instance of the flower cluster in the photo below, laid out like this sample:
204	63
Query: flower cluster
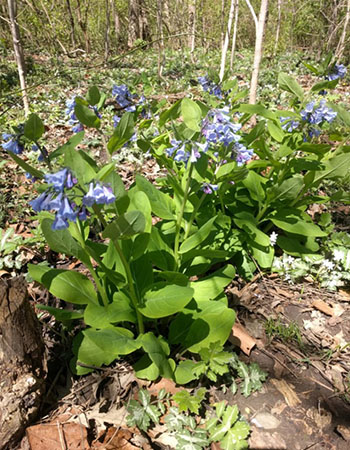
338	71
181	154
210	86
289	124
124	97
208	188
55	198
317	115
12	143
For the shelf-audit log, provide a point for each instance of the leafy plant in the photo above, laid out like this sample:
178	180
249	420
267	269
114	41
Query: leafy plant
251	376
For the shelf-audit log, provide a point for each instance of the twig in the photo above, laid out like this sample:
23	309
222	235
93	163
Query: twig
60	434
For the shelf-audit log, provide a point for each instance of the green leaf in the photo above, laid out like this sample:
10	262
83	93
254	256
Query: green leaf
294	221
191	114
120	310
112	341
162	205
197	238
318	149
213	285
235	439
229	417
257	109
185	372
93	96
324	85
166	301
189	401
60	314
87	116
288	189
275	131
289	84
33	128
71	143
158	350
126	225
254	183
171	113
195	440
123	132
213	323
61	241
70	286
77	161
343	114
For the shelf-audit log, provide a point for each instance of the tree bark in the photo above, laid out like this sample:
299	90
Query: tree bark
134	22
108	26
160	38
234	36
12	10
258	50
227	39
71	21
116	21
278	28
22	362
192	26
341	45
83	24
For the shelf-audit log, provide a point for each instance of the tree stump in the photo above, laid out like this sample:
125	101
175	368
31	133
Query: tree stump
22	362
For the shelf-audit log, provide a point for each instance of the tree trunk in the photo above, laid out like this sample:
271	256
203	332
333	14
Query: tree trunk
227	39
108	25
222	22
12	9
192	26
22	362
278	28
134	23
160	38
234	37
71	21
116	21
341	45
83	24
258	50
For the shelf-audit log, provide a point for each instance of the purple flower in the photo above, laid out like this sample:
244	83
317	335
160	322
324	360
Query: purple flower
98	194
218	128
317	115
208	188
209	86
338	71
288	124
59	223
66	211
57	179
36	204
122	95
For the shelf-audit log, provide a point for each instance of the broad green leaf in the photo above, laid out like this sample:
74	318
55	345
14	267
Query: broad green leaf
336	167
68	285
288	189
262	254
33	128
61	241
162	205
197	238
229	417
120	310
139	202
146	369
275	131
247	222
343	114
112	341
184	372
87	116
61	314
254	183
324	85
257	109
191	114
171	113
235	438
189	401
122	133
93	96
294	221
126	225
289	84
158	351
91	354
212	286
166	301
76	160
318	149
213	323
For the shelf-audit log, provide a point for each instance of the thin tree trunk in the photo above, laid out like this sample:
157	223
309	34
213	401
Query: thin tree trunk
258	50
279	12
234	37
133	28
222	22
116	20
83	25
341	46
108	25
192	29
12	9
227	39
160	38
71	21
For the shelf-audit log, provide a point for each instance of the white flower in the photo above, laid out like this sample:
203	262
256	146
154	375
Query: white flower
329	265
338	255
273	238
277	264
289	260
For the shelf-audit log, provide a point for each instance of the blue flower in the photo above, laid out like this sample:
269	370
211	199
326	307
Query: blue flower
218	128
288	124
210	86
338	71
57	179
59	223
12	143
122	95
98	194
243	154
316	116
36	204
66	211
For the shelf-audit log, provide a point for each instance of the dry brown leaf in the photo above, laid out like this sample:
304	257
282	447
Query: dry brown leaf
56	436
321	417
323	307
168	385
241	338
287	391
344	294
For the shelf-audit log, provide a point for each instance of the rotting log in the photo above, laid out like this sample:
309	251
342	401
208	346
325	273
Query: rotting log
22	362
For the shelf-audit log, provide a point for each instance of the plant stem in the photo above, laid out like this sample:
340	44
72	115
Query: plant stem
108	155
132	291
189	225
180	217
